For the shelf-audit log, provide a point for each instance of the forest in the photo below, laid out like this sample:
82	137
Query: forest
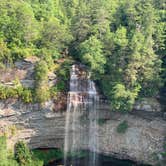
121	42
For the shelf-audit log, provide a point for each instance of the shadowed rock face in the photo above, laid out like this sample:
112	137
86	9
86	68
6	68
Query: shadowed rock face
46	128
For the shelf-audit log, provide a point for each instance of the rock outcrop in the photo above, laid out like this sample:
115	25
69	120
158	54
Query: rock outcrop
148	104
142	141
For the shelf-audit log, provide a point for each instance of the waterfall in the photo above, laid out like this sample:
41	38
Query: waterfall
81	121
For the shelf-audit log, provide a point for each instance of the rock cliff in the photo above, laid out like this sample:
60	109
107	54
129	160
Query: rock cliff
142	141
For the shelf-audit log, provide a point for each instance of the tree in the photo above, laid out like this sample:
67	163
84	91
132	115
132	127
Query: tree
41	72
5	56
41	82
123	98
131	58
122	42
6	158
54	35
91	53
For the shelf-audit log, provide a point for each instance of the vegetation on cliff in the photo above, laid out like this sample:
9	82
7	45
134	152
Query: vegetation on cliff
23	156
121	42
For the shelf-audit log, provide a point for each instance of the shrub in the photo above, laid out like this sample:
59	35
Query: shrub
123	98
25	157
42	94
6	157
8	92
20	53
5	54
122	127
53	91
47	156
41	71
2	92
3	151
64	71
23	154
46	55
11	92
16	92
26	96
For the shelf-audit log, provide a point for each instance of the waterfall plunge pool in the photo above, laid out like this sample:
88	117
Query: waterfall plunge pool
54	157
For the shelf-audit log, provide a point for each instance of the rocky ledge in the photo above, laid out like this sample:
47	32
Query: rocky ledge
143	140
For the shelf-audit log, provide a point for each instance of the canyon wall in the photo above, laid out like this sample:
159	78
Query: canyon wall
142	141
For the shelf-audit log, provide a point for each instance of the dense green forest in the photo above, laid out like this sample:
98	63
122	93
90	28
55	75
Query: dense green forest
122	43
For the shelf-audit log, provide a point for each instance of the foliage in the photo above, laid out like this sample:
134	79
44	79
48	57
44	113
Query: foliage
42	94
46	56
26	96
122	127
25	157
3	151
122	42
91	53
18	91
5	56
123	99
28	25
63	74
22	154
41	82
6	158
132	68
47	155
54	35
41	71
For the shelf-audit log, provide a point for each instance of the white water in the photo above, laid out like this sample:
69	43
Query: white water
81	121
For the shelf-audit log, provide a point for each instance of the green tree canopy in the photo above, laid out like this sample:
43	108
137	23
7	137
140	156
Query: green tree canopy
92	54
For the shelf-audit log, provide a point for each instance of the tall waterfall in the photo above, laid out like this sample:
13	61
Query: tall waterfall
81	121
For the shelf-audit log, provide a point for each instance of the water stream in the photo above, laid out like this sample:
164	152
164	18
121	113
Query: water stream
81	121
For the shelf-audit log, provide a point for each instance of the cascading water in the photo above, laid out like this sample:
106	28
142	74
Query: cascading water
81	121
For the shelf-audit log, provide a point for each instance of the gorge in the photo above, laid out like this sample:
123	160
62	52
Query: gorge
82	83
142	141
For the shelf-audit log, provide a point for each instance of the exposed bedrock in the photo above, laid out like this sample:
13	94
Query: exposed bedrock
143	139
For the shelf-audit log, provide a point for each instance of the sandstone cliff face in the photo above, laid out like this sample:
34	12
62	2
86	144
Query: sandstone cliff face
143	139
45	128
